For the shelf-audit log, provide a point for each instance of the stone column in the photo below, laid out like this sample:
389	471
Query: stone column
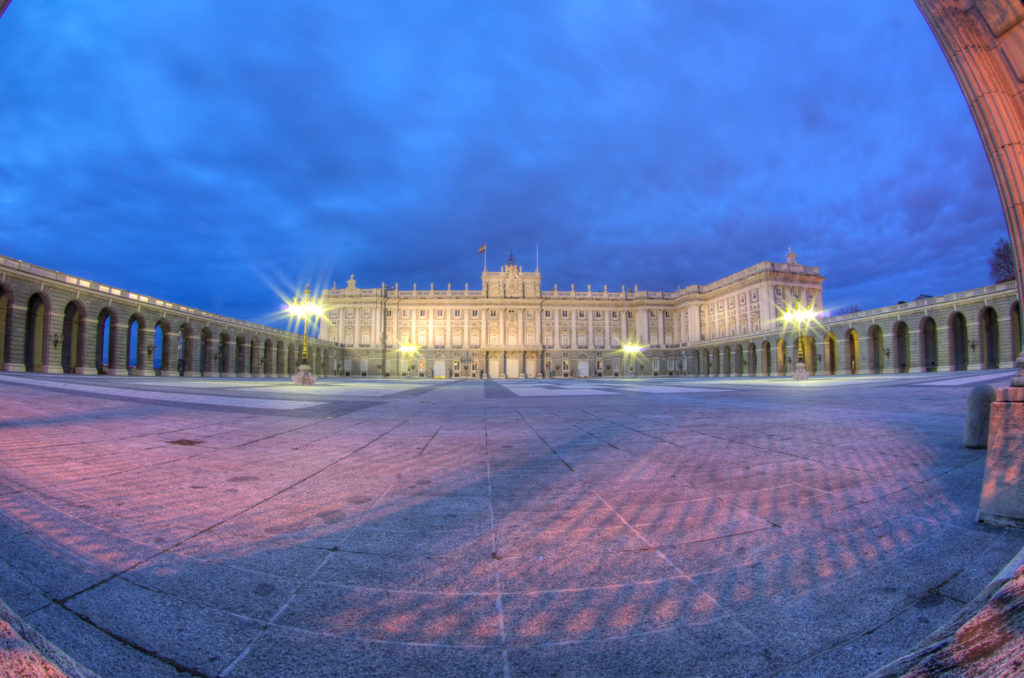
169	356
572	332
209	369
244	369
230	350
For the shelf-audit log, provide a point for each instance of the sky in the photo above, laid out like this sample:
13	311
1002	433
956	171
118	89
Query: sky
222	154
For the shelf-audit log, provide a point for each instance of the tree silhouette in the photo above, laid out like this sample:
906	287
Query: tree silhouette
1000	264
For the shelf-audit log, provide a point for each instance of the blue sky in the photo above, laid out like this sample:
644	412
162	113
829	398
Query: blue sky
216	153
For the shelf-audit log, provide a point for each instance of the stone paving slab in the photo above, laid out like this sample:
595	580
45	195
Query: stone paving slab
574	528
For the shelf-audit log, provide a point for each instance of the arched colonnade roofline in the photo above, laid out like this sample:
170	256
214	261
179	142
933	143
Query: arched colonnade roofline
57	323
973	329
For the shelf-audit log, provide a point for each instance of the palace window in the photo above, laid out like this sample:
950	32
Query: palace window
597	314
405	313
423	313
615	315
494	313
474	313
458	313
440	313
583	314
547	314
565	314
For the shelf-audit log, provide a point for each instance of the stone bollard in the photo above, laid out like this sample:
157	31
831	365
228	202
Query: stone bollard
976	425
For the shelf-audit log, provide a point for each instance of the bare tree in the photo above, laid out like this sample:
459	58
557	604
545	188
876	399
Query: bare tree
1000	264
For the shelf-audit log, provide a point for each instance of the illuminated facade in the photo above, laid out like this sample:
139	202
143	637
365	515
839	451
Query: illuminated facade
512	328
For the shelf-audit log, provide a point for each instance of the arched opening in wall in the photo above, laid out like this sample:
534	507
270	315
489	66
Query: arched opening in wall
876	348
752	359
988	331
161	349
205	363
929	345
1015	348
72	358
36	331
224	349
739	360
291	359
280	366
185	350
766	358
106	330
811	357
852	351
781	359
901	339
136	338
830	353
268	358
957	341
716	360
5	326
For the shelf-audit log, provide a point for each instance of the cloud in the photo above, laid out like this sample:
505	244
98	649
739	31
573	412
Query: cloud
650	143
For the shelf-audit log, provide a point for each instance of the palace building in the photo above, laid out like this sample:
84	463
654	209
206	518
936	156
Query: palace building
512	328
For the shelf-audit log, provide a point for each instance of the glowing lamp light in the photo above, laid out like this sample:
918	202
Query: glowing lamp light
305	308
631	349
799	316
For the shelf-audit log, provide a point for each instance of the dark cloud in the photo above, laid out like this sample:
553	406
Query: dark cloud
219	154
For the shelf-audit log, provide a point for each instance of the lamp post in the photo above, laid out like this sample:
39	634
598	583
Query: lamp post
631	350
304	308
799	316
406	351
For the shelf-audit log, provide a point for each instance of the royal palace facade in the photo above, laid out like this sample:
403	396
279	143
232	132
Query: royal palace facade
512	328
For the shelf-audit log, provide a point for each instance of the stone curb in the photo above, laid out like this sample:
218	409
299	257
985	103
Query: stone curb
937	654
25	653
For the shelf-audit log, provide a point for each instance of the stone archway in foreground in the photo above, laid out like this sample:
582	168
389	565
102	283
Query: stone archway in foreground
983	40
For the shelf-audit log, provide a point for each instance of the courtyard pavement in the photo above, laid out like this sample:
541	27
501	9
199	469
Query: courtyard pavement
673	527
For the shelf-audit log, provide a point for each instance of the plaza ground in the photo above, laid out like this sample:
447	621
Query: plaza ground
725	527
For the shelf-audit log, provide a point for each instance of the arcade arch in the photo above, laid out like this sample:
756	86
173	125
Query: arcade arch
957	341
901	344
929	345
72	352
5	325
37	329
106	340
853	351
876	348
988	333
